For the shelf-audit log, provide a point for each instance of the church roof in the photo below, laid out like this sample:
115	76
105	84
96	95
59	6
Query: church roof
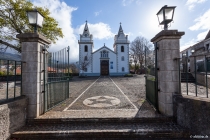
208	35
86	29
105	48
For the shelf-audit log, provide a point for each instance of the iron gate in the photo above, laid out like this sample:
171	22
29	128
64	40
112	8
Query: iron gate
56	77
151	80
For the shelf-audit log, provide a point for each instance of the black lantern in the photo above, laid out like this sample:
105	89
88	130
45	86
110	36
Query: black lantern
165	15
35	19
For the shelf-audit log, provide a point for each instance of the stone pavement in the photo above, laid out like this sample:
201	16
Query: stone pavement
104	97
105	108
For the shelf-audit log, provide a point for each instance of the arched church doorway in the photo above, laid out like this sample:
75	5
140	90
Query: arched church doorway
105	67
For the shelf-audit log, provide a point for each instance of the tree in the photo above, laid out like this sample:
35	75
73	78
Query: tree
139	46
13	21
84	63
73	68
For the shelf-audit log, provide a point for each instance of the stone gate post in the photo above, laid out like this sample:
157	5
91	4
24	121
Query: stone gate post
32	71
167	43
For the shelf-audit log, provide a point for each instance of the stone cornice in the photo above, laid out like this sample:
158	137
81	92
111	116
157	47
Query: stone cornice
85	42
167	34
33	37
120	43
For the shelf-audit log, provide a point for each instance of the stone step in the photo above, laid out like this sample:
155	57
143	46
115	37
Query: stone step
187	77
42	121
143	128
185	80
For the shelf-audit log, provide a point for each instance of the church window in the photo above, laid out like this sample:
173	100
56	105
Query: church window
85	58
85	69
86	48
122	58
123	69
122	48
104	54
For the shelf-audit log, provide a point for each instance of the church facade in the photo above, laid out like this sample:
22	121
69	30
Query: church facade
103	61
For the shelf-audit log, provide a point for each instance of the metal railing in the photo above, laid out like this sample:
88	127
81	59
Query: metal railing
151	83
56	85
10	80
195	76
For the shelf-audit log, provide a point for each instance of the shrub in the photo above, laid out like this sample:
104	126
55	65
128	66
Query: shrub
128	75
151	78
3	73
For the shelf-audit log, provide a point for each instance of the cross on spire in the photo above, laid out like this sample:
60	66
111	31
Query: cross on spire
120	30
86	30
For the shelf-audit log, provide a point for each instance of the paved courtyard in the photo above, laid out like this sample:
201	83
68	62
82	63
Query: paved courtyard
104	97
201	90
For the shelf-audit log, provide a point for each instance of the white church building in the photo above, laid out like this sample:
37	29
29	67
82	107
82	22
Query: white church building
103	61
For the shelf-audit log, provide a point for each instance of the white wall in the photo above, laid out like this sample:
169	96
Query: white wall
113	59
124	63
82	55
97	61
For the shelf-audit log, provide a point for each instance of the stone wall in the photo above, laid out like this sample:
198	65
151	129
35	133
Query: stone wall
193	113
12	116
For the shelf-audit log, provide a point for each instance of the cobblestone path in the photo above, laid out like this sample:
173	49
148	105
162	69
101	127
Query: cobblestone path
102	94
105	97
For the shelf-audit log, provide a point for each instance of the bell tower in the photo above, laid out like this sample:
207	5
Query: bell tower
85	49
121	47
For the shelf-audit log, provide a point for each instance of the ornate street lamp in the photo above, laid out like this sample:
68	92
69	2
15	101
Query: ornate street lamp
165	15
35	19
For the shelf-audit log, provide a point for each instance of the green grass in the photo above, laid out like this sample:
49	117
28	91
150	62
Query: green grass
151	78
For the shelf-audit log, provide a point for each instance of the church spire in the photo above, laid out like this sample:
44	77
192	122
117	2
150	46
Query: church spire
120	30
86	30
208	35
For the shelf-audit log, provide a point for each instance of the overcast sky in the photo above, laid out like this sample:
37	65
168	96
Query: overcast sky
138	18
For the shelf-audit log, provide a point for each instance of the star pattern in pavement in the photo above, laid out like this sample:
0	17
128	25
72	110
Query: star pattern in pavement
101	99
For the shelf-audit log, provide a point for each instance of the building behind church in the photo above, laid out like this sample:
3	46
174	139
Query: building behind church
103	61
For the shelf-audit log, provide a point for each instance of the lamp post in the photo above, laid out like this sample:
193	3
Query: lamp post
145	55
57	66
135	61
165	15
130	63
35	19
68	50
